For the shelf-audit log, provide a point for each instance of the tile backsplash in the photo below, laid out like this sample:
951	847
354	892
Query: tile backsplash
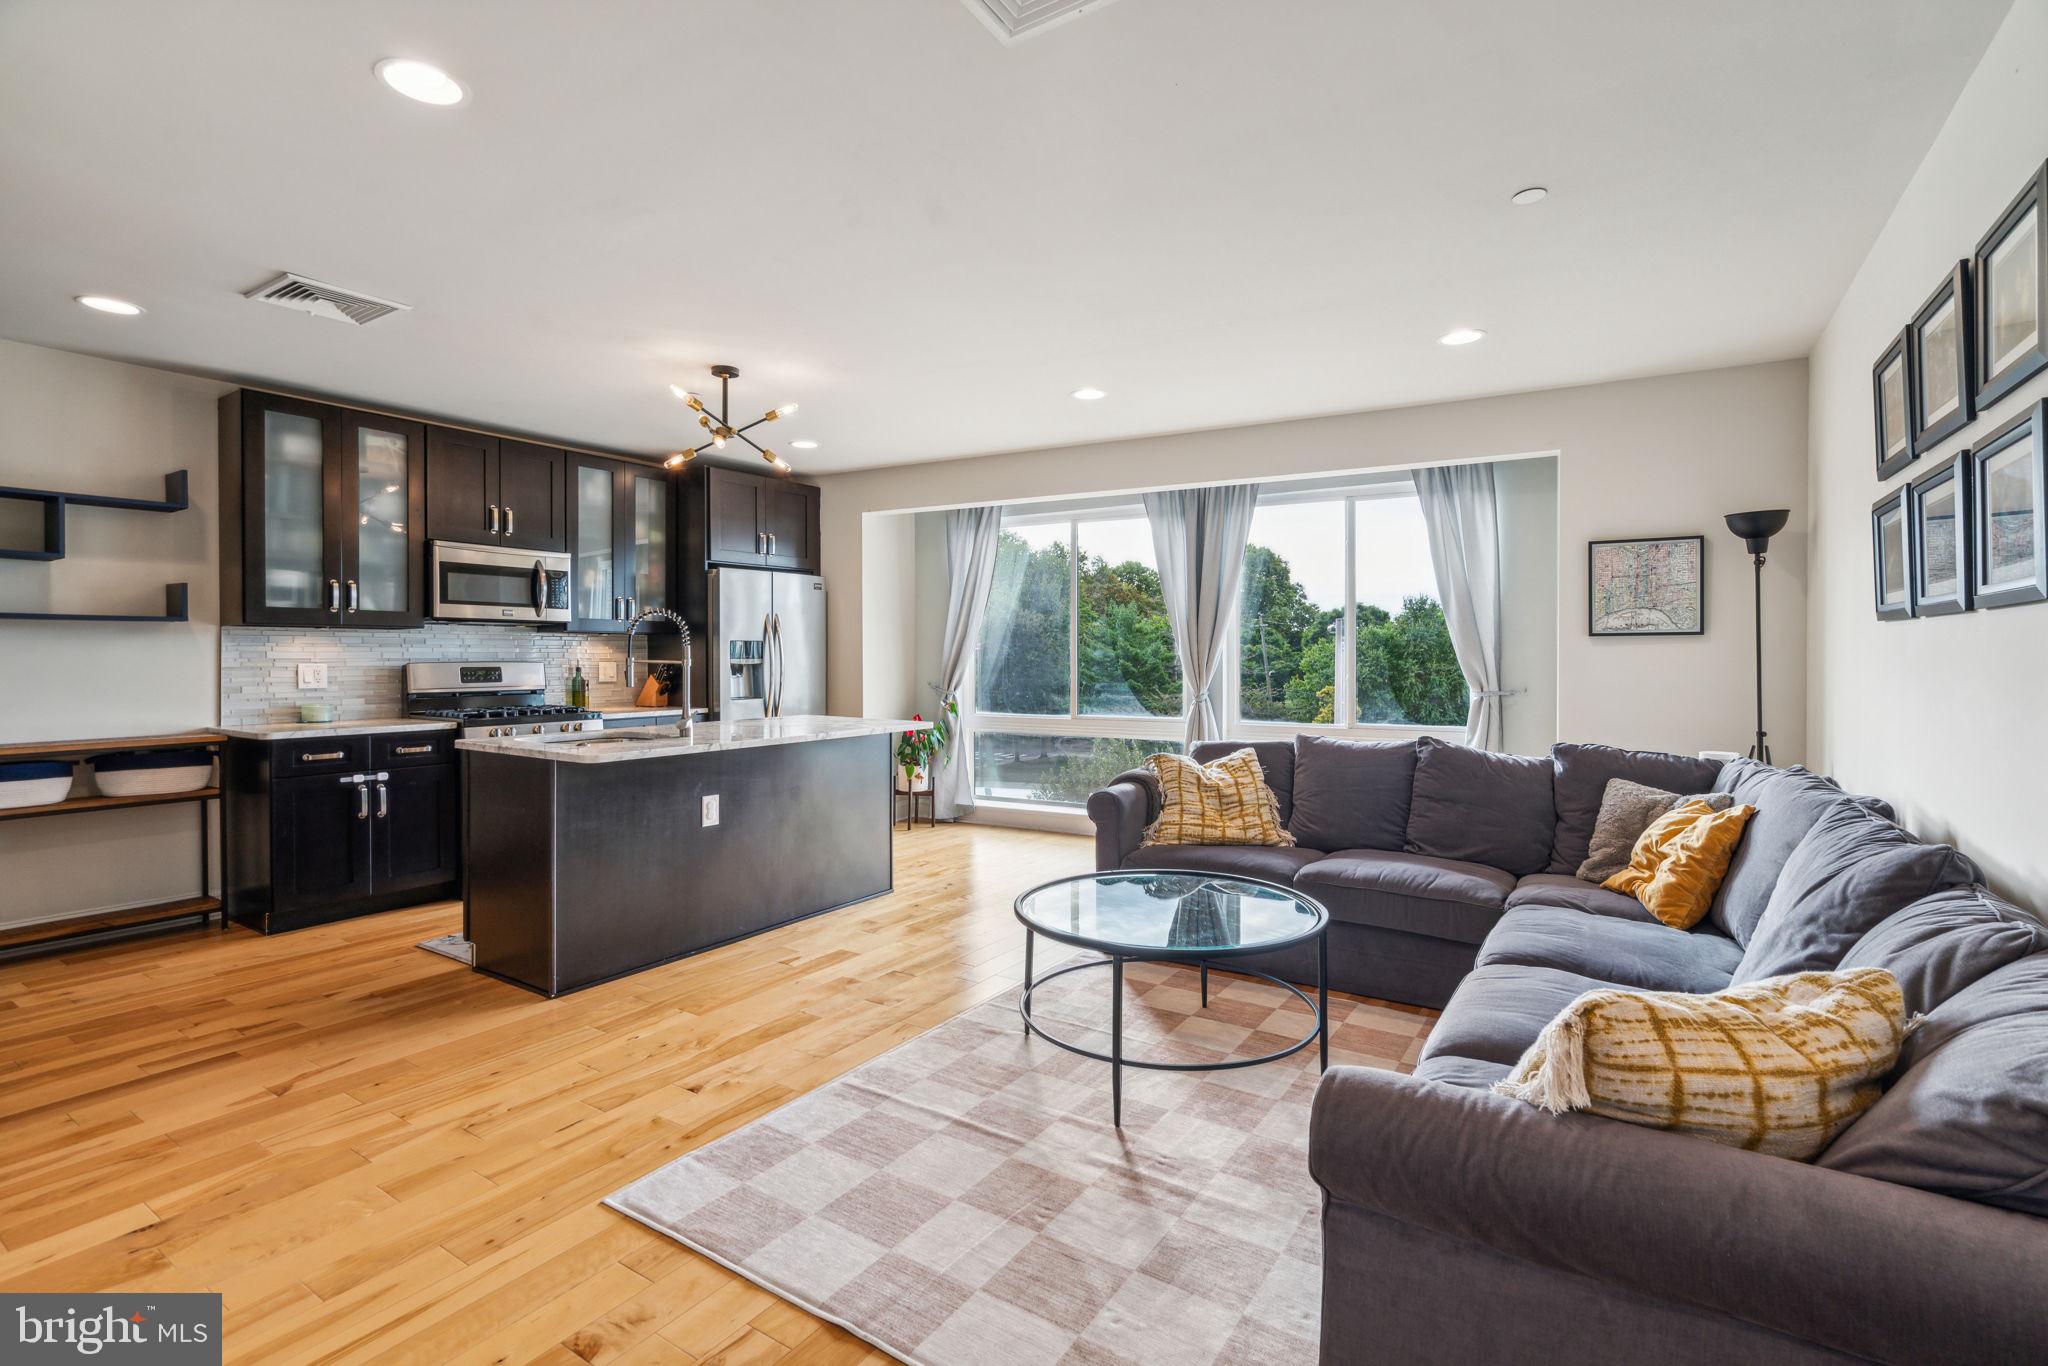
259	666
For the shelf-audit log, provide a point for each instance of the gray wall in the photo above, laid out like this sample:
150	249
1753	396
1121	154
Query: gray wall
1943	716
1635	458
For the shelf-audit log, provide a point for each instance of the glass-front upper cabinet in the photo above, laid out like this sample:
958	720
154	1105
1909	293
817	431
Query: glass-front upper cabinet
593	520
648	535
383	501
323	506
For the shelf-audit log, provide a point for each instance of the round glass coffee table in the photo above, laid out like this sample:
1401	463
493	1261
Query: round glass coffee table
1165	916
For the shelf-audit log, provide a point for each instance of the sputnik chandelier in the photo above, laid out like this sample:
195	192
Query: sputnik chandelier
720	426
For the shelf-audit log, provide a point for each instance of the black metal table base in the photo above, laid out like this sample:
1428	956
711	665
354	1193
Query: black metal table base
1319	1008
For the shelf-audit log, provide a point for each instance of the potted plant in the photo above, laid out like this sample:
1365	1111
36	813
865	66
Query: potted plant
916	749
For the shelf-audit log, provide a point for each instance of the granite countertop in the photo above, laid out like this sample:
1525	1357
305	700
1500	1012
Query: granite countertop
296	729
654	742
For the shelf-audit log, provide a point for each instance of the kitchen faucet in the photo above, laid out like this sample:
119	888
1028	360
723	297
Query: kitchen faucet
688	724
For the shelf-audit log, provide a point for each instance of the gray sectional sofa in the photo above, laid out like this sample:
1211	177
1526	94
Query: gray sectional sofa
1459	1226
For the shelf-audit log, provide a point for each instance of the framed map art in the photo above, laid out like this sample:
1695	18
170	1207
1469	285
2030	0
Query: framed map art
1650	587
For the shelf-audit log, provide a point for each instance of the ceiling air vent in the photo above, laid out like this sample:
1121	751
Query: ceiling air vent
323	301
1015	20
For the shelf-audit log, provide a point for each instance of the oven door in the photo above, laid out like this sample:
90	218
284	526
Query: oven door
488	583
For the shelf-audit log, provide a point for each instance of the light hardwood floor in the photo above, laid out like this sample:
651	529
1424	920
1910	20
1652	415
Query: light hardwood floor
376	1154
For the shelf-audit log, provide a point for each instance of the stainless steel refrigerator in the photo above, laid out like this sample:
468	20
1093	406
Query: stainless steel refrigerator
767	655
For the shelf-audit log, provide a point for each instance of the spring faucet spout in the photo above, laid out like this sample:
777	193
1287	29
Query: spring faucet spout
688	724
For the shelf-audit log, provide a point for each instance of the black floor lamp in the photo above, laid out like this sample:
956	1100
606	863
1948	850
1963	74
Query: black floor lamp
1756	530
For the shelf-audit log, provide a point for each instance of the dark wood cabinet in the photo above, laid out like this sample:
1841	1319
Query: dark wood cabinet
416	834
622	533
752	520
321	514
490	490
318	834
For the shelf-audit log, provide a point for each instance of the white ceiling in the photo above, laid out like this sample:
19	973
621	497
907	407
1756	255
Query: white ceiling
1220	211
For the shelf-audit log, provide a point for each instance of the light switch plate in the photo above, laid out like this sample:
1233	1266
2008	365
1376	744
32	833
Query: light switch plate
711	809
312	675
607	671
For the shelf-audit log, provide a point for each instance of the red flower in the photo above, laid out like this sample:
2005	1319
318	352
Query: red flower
916	718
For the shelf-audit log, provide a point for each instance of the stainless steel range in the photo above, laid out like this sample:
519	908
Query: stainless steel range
492	700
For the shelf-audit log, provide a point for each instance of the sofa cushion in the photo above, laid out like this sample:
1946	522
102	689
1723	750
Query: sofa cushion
1853	869
1968	1115
1680	860
1562	889
1942	943
1276	761
1411	892
1498	1011
1579	778
1788	801
1268	863
1626	952
1222	802
1351	794
1455	1071
1476	806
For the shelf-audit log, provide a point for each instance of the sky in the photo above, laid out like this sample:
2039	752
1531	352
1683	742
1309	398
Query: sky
1393	546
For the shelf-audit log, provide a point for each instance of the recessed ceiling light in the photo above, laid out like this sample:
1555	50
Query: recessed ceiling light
1460	336
422	81
1089	395
108	305
804	445
1535	194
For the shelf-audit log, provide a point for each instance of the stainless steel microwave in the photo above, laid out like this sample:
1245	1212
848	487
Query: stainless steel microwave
491	583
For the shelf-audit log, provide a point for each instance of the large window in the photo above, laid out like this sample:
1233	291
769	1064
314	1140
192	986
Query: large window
1340	623
1075	677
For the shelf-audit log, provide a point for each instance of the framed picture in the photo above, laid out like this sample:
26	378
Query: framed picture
2011	270
1938	340
1891	557
1890	381
2008	476
1938	511
1654	586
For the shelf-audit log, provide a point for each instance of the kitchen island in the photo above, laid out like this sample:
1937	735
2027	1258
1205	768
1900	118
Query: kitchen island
589	857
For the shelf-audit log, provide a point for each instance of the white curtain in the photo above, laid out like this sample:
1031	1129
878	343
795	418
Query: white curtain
971	535
1199	536
1464	545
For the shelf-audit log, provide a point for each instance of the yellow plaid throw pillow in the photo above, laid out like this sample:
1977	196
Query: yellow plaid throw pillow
1780	1066
1226	802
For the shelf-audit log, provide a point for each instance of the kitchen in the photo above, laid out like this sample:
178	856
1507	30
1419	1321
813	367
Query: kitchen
393	588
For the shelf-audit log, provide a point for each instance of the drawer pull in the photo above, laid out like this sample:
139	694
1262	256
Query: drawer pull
318	758
413	749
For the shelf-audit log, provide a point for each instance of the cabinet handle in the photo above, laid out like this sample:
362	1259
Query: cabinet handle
355	598
322	757
383	801
494	519
362	802
334	595
508	519
771	543
413	749
760	543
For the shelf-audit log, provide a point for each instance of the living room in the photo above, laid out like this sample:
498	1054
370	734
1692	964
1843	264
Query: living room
1368	696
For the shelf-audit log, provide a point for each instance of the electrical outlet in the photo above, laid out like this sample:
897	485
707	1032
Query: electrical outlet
607	671
312	675
711	810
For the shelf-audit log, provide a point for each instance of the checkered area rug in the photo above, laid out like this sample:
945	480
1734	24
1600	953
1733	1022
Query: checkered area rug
963	1198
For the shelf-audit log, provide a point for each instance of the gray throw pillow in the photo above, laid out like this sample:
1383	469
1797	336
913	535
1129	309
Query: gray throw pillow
1579	778
1968	1115
1476	806
1351	794
1852	870
1941	944
1626	811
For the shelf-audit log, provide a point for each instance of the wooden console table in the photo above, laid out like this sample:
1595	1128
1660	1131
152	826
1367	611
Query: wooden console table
184	912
